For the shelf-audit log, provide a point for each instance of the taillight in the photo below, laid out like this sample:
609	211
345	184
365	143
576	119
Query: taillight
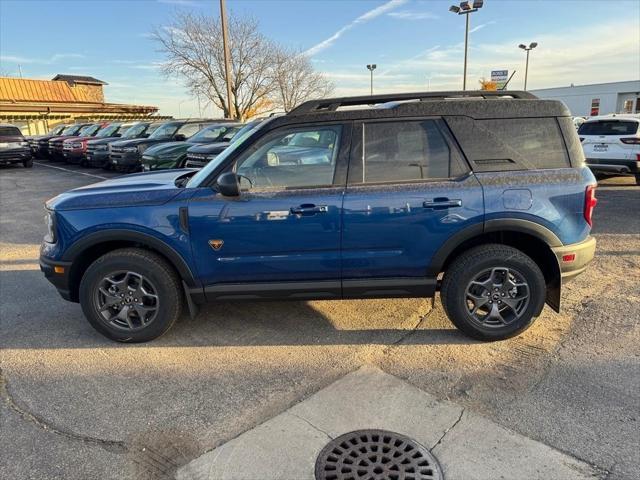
590	201
631	140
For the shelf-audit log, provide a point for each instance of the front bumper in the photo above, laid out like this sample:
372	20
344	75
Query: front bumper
125	159
574	258
15	155
72	156
97	158
614	166
59	280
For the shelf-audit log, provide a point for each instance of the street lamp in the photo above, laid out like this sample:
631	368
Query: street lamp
466	8
371	68
531	46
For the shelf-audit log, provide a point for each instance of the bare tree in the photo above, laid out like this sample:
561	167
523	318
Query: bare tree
296	80
264	76
193	48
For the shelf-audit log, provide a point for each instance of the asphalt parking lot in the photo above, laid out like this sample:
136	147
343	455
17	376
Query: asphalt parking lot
76	405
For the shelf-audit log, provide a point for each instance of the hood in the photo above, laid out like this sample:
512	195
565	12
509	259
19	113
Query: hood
77	139
207	148
171	148
103	140
61	139
134	142
142	189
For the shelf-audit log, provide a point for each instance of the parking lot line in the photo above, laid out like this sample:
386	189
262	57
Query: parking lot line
71	171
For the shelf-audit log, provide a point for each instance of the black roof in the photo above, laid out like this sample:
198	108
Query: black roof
78	79
475	104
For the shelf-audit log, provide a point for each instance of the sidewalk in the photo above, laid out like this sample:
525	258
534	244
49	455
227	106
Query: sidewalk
468	446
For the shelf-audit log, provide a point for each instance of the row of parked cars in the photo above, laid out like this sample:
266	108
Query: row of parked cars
139	146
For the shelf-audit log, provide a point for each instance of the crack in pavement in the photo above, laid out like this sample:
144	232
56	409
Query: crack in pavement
413	329
113	446
446	432
310	424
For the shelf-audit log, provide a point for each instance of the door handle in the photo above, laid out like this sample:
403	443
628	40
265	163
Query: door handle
442	203
309	209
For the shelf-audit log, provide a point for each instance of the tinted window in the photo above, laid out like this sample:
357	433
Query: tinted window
189	129
166	130
292	159
213	133
10	132
404	151
511	143
609	127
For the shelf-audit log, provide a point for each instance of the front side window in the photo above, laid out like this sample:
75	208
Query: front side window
403	151
292	159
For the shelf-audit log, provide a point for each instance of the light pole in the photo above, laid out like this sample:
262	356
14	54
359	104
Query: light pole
371	68
466	8
531	46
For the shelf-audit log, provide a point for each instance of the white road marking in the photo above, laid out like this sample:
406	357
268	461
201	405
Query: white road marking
72	171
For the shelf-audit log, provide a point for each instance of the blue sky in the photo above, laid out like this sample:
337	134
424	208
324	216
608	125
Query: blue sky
416	44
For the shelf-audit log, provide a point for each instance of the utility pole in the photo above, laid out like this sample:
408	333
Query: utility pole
371	68
227	56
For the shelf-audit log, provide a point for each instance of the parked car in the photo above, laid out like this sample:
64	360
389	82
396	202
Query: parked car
54	150
74	149
486	191
200	154
611	144
39	143
126	155
14	148
174	154
98	148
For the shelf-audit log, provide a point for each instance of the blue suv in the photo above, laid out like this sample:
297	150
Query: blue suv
483	196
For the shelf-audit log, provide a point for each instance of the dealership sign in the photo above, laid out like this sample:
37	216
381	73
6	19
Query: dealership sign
500	78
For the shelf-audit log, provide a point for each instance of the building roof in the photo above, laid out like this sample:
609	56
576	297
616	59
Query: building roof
72	79
28	90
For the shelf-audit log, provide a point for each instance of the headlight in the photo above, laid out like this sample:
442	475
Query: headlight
49	220
24	144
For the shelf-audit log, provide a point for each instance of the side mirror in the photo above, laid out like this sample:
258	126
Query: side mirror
179	137
229	184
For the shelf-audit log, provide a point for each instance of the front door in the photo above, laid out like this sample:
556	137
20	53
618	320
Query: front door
281	237
409	190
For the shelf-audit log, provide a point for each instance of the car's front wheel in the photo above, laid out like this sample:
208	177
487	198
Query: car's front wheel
27	163
131	295
493	292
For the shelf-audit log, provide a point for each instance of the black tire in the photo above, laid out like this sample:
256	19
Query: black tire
164	283
471	265
637	175
27	163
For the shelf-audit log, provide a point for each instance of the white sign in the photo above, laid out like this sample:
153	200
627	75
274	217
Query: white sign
500	77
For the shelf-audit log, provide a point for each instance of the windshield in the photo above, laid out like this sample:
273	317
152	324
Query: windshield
214	133
109	130
89	131
135	130
238	140
10	132
609	127
71	130
165	131
59	129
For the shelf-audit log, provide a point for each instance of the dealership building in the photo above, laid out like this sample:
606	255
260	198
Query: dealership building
38	105
596	99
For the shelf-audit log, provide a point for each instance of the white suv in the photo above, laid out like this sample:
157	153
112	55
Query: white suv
611	144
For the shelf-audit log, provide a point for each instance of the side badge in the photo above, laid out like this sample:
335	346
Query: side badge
216	244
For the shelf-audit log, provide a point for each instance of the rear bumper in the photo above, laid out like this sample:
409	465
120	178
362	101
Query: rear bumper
574	258
619	166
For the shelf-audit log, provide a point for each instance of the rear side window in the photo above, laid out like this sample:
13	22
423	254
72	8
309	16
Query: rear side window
511	143
404	151
10	132
609	127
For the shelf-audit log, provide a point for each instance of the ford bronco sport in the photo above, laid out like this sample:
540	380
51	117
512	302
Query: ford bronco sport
481	195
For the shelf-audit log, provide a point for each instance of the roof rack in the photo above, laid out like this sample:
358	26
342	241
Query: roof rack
332	104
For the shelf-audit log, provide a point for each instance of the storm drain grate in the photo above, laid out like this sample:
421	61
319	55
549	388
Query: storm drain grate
376	455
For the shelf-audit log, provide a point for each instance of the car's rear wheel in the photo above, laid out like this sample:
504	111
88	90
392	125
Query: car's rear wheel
27	163
493	292
131	295
637	175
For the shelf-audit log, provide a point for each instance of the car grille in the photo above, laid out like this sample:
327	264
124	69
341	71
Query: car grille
117	149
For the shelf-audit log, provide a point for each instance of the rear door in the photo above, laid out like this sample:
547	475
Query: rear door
409	190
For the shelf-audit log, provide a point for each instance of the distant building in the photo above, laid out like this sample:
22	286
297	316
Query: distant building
38	105
596	99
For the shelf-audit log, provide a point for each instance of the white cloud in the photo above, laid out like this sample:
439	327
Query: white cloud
364	18
409	15
55	58
481	26
182	3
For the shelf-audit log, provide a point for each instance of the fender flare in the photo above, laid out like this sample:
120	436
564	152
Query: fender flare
102	236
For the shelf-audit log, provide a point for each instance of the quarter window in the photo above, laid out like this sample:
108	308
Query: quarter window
404	151
292	159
